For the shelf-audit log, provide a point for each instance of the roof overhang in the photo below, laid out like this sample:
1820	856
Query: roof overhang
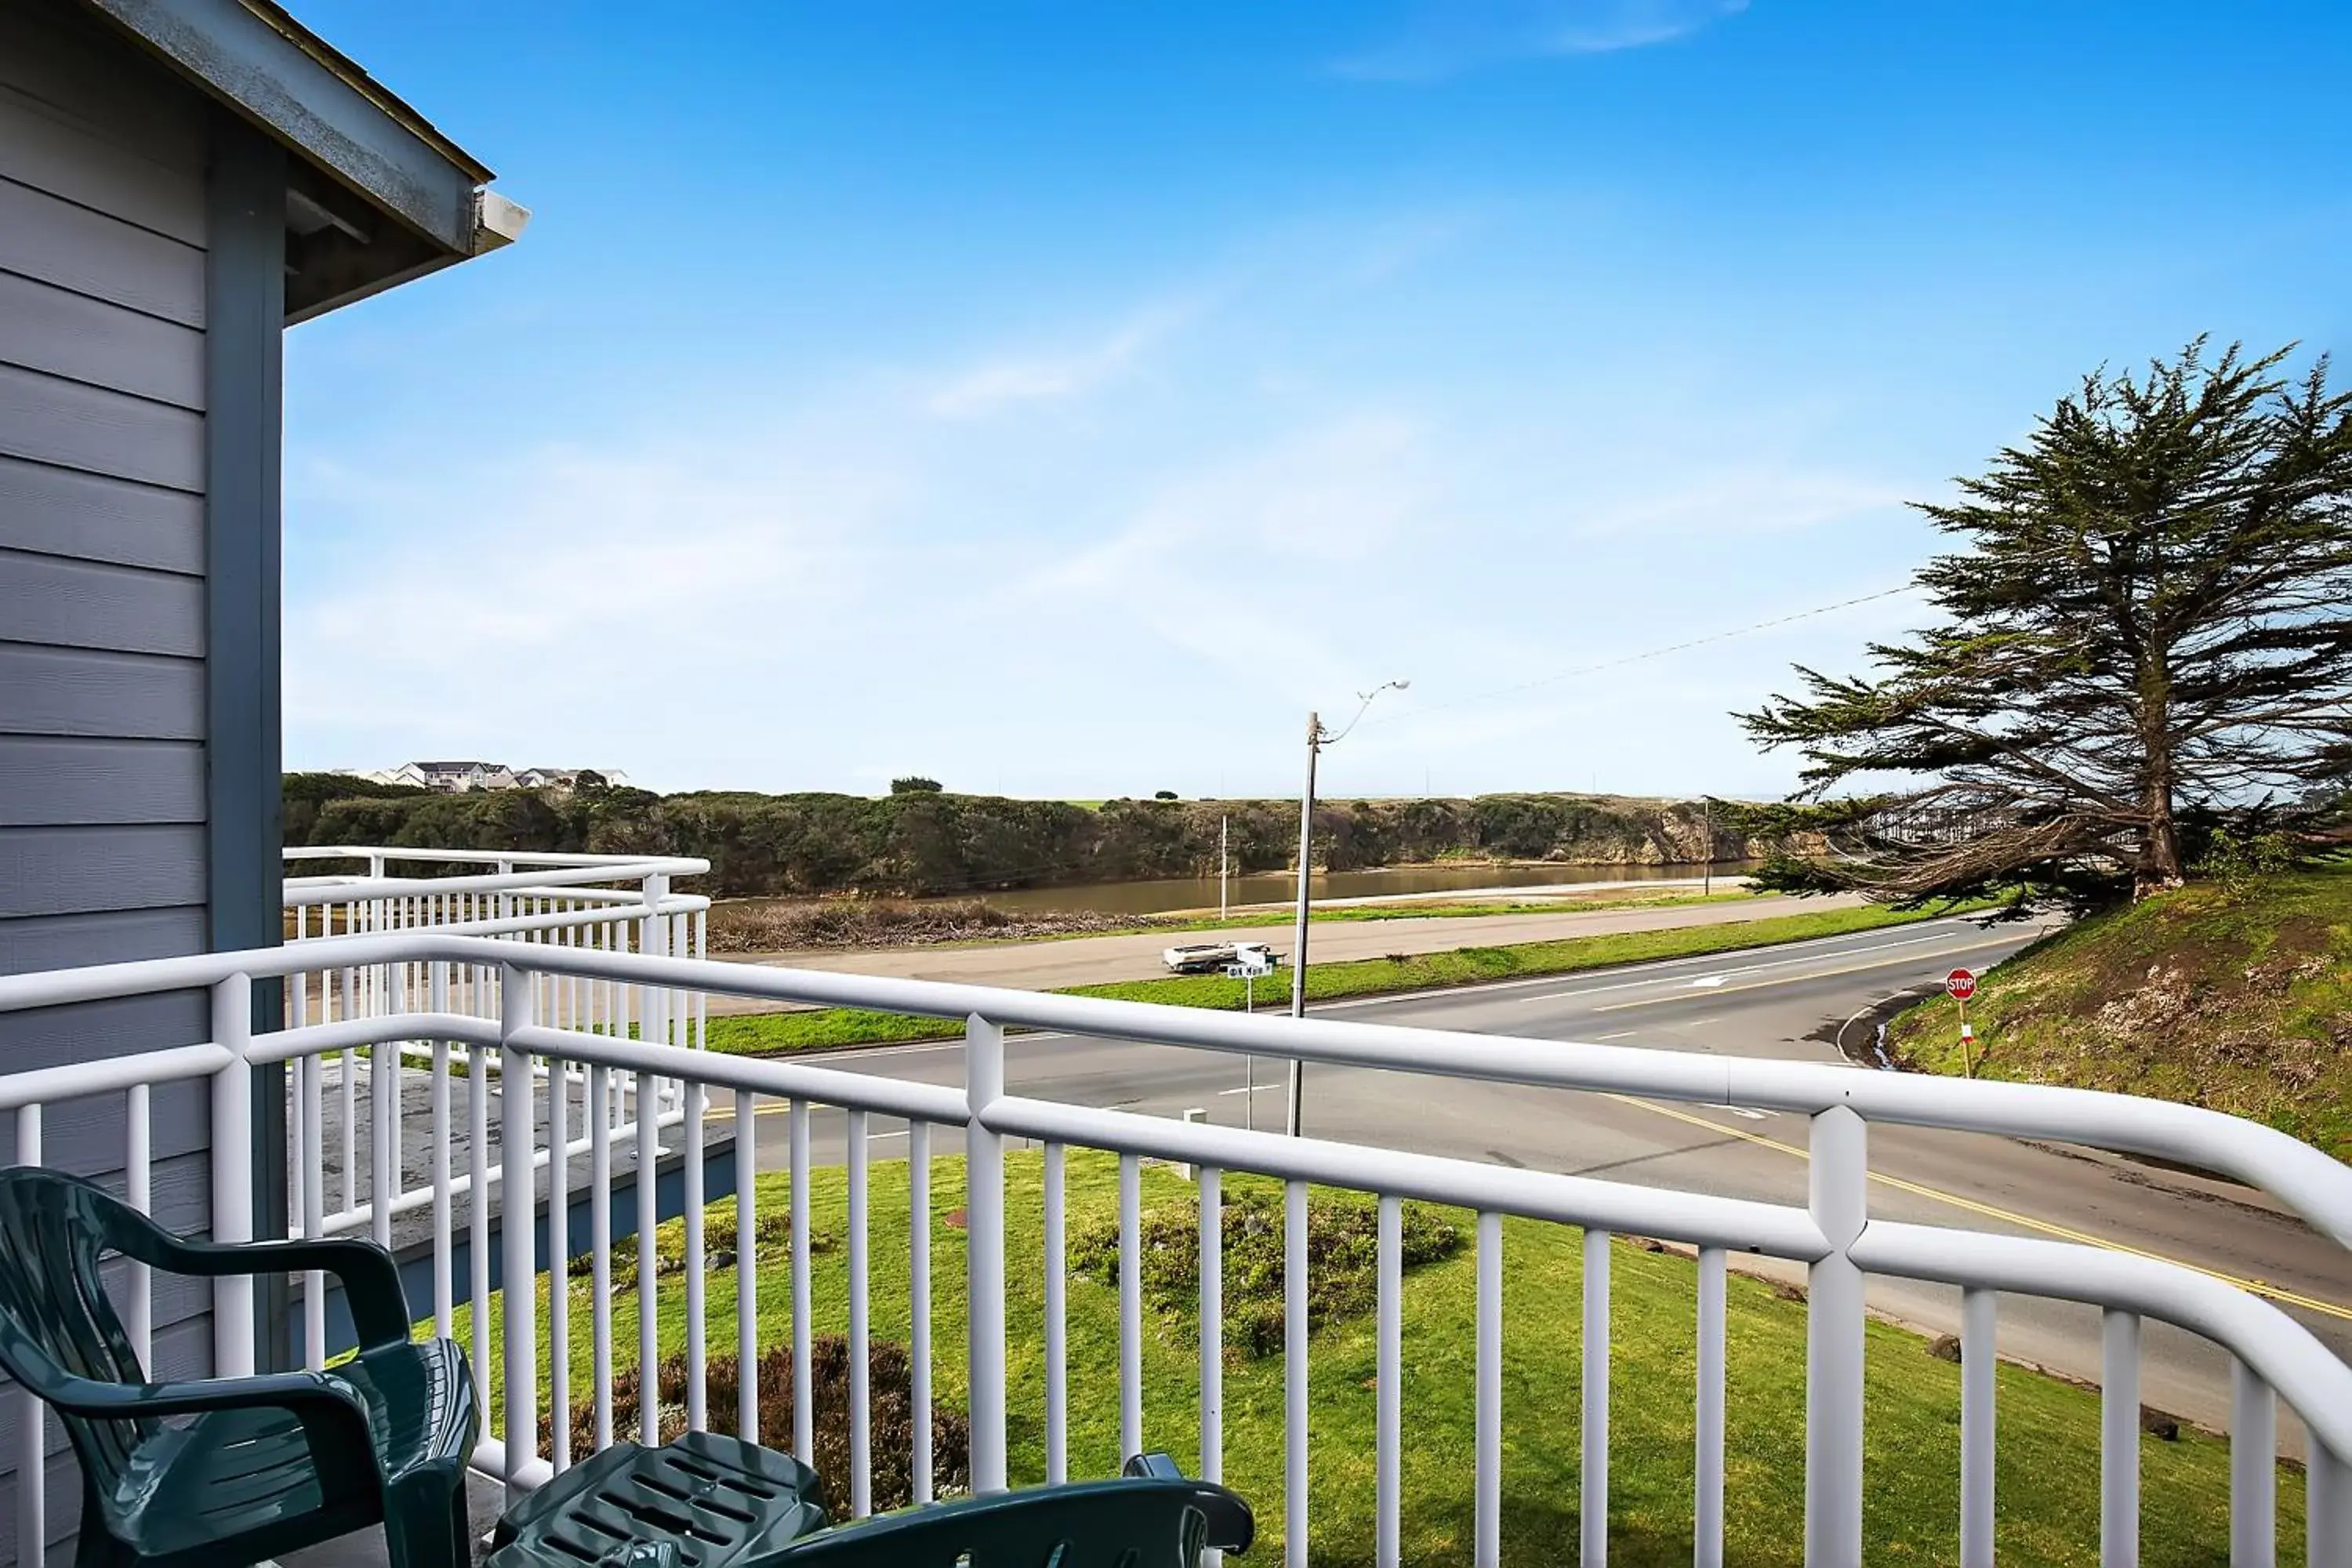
375	194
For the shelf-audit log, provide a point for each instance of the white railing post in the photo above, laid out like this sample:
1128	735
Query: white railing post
137	1190
918	1306
1980	1366
984	1240
1294	1220
1212	1324
1486	1539
653	940
2118	1440
1834	1344
232	1173
32	1416
1706	1509
2327	1510
2254	1469
444	1245
518	1284
1592	1480
1388	1384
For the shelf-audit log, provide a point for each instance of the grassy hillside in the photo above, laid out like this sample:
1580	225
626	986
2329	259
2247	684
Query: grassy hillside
2238	999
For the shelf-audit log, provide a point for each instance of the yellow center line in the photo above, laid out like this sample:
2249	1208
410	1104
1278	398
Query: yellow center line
2064	1233
1692	993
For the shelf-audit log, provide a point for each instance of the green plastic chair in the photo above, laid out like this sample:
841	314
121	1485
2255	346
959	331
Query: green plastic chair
1153	1517
267	1464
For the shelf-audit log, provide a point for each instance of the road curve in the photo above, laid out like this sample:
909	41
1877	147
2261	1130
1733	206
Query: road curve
1783	1002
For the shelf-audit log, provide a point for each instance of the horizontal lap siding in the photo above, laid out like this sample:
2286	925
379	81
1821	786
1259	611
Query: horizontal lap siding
59	871
96	517
72	426
63	603
54	779
84	691
103	611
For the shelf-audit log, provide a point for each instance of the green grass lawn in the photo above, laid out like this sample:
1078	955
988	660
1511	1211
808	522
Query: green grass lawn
824	1028
2048	1475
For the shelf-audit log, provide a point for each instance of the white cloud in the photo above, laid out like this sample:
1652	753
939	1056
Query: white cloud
991	387
1759	498
1249	565
1446	37
560	591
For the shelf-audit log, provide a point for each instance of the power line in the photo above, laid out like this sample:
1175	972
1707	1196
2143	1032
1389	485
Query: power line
1559	676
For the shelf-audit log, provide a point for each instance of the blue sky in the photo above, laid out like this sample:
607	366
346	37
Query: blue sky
1063	399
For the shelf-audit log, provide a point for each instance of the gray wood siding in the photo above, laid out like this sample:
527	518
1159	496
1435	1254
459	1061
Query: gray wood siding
120	936
79	603
57	331
93	517
52	420
103	371
67	869
86	692
49	148
46	237
56	780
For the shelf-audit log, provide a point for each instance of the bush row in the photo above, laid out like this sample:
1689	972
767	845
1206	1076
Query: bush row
922	843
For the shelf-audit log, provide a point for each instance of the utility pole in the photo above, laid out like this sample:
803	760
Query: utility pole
1316	738
1298	945
1223	861
1706	877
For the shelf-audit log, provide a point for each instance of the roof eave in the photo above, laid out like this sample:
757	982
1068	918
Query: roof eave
255	57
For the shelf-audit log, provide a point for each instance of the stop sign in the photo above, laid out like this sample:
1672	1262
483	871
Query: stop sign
1961	983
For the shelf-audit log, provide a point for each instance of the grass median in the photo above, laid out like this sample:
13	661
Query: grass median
2047	1464
831	1028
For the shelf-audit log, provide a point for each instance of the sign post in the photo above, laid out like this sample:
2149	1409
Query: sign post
1246	972
1960	984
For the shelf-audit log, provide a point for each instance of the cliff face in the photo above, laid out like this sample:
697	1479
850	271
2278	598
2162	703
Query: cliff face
939	843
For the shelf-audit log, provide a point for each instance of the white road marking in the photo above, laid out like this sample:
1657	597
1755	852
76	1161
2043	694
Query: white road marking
1791	979
1617	1035
1708	982
1251	1088
1817	947
1814	956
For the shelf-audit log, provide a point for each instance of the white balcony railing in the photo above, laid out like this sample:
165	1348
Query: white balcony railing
540	1021
605	903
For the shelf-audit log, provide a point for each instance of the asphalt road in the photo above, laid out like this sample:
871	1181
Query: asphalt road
1786	1002
1095	960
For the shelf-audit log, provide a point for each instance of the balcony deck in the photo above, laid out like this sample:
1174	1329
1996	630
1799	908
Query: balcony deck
586	978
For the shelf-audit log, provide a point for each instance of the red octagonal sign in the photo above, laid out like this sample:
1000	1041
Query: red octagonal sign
1961	983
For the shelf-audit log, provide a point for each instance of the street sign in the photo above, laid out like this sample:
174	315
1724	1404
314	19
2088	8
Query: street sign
1249	969
1960	984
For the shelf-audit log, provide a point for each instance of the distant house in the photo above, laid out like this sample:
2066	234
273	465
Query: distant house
461	776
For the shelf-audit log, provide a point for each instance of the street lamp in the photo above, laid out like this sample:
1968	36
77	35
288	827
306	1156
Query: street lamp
1318	738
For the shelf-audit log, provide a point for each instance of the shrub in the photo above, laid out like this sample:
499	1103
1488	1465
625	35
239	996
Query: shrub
2237	861
890	1400
775	1239
915	785
1342	1261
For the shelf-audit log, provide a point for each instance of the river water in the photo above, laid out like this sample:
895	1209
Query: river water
1153	898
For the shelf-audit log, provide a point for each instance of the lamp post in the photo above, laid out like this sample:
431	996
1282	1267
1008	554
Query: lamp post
1318	738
